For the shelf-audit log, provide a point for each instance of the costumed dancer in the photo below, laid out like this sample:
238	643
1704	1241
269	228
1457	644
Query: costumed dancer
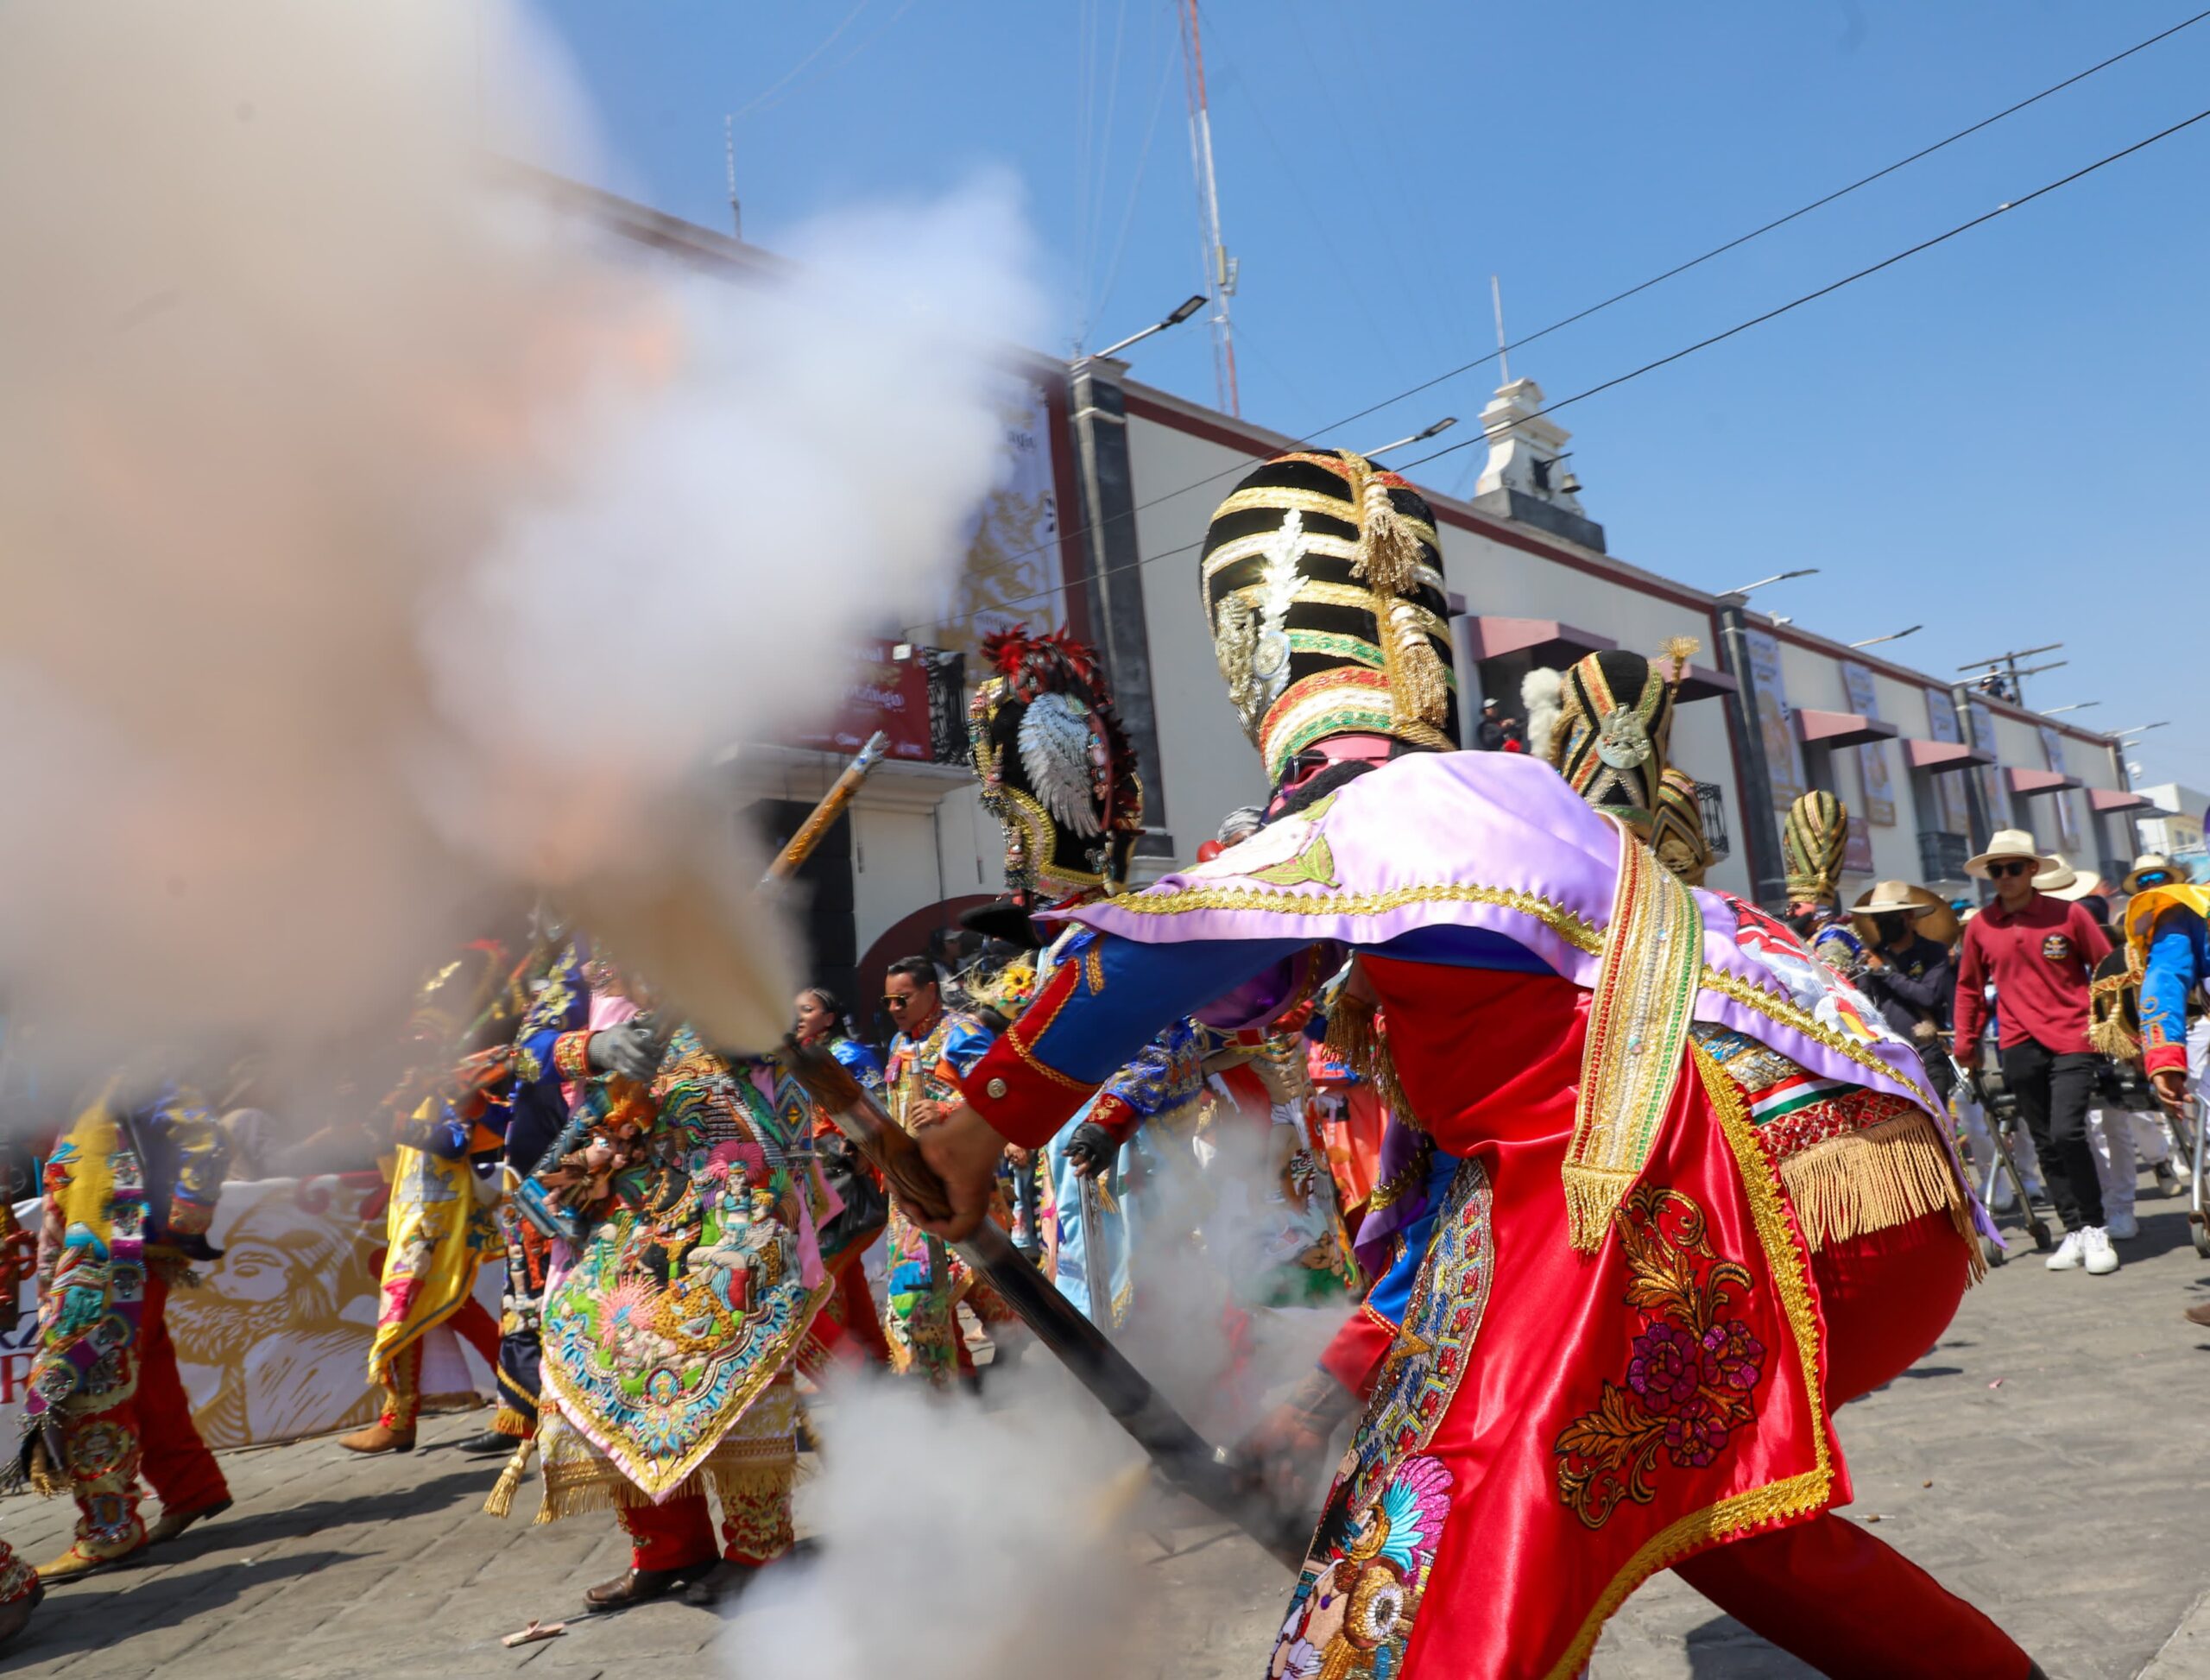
1814	840
129	1196
20	1587
671	1342
20	1592
1057	770
1617	1251
933	1046
447	1123
848	1328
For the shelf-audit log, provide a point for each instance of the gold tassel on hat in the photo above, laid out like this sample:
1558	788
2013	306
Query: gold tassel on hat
1677	651
1387	559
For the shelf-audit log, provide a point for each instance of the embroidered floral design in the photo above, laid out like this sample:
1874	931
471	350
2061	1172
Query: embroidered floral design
1359	1590
1691	1375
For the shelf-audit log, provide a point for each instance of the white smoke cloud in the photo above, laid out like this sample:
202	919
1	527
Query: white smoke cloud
377	544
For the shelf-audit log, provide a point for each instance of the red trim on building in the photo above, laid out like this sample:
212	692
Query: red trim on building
1840	728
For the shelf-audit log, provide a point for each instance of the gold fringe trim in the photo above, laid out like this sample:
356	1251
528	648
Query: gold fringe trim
573	1490
501	1503
1355	1038
2111	1038
1873	1180
507	1420
47	1481
1593	1194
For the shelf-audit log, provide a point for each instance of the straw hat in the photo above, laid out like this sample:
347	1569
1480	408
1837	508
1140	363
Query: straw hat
1937	920
2149	864
2061	881
2007	842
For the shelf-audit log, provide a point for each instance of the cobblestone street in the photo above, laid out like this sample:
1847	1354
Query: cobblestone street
2045	1460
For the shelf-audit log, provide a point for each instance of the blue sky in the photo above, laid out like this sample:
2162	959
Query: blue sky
2003	437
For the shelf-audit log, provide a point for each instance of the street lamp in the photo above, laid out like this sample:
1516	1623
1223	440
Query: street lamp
1776	578
1436	430
2142	729
1183	311
1892	636
2077	705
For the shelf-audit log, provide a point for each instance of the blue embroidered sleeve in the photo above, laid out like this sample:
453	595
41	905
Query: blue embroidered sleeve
964	1045
1165	1075
540	1111
858	1060
2179	960
1393	1290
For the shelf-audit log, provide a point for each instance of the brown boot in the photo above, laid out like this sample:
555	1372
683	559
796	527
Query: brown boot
173	1523
14	1617
2200	1315
378	1437
634	1587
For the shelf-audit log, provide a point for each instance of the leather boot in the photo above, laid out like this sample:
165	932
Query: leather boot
634	1587
490	1441
378	1437
14	1617
724	1581
173	1523
2200	1315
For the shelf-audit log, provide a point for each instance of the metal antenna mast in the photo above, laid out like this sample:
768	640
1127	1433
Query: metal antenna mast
1219	266
728	147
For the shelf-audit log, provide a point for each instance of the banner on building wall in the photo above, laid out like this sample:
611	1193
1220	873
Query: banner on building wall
1784	754
2068	821
1994	797
1879	802
1014	573
274	1344
1950	814
1857	848
886	694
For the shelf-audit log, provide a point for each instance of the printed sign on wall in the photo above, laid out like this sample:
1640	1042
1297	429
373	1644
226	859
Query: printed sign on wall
1784	754
1879	802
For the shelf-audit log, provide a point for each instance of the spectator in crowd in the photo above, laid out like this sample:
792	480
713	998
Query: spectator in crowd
1488	734
1909	976
2040	953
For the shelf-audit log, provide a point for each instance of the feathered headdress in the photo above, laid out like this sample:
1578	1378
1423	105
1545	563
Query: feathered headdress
1056	767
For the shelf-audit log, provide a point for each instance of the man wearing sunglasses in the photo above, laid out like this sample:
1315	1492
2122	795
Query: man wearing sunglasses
2040	953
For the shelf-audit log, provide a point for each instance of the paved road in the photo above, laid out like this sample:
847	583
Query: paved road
2061	1424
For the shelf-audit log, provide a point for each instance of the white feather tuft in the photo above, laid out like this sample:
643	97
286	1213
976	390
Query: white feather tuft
1054	739
1542	691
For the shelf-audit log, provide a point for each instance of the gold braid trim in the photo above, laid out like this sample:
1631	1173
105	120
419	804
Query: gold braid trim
1776	1502
1575	929
1784	1011
1873	1180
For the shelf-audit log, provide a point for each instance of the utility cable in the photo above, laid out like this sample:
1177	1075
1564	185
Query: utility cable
1618	380
1504	349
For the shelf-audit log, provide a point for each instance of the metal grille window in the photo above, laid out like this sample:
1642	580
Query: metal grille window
1713	801
1941	854
947	703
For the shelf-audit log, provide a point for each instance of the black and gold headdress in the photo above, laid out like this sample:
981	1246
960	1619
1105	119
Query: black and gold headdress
1812	842
1615	719
1056	767
1677	828
1322	578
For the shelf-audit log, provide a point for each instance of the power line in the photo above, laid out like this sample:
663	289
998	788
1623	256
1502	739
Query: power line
1618	380
1582	315
1835	285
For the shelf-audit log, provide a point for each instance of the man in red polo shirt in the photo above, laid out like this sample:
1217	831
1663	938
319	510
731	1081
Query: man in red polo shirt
2039	953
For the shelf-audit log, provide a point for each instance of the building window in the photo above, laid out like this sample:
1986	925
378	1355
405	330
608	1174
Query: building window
1713	803
1941	854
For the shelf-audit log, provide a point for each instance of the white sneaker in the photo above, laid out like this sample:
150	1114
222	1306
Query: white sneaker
2122	1226
2069	1257
2101	1257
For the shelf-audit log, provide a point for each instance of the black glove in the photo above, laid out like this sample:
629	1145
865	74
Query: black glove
1091	1149
632	1050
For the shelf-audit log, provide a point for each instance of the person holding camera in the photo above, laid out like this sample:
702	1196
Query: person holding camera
2041	953
1910	974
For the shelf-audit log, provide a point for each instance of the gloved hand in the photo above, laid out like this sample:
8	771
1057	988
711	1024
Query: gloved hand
632	1050
1091	1149
1284	1454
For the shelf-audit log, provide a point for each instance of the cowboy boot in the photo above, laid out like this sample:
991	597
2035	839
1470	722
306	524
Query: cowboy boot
173	1523
634	1587
378	1436
80	1561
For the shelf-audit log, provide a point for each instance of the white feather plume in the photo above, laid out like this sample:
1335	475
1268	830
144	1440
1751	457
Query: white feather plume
1055	740
1542	692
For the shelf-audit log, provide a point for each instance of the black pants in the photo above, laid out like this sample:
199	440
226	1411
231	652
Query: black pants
2053	1093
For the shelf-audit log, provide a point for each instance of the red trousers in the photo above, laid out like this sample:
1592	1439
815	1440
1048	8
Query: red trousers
1827	1590
149	1434
679	1534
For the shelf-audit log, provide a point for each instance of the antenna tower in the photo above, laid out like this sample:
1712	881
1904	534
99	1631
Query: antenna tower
1219	266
